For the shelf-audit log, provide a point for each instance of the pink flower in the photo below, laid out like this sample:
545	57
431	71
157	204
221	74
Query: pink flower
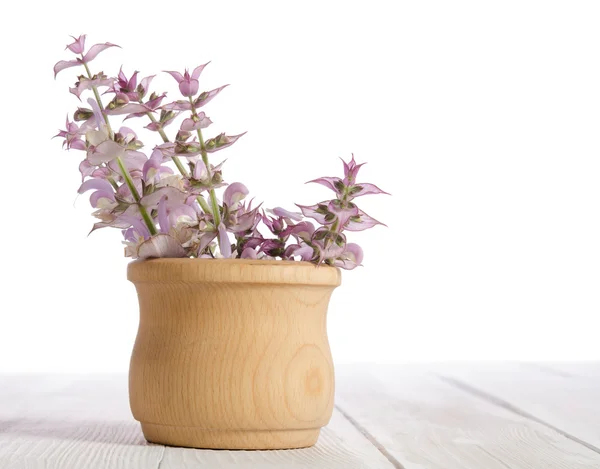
85	83
102	190
350	258
77	48
188	84
234	194
203	98
73	136
78	45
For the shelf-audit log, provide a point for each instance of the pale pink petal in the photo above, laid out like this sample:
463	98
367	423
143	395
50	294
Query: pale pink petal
224	243
160	245
302	230
350	171
221	141
163	216
178	76
200	172
64	64
205	240
343	214
130	108
86	169
333	183
96	184
351	257
78	144
106	151
198	70
178	106
248	253
362	222
151	201
234	193
99	117
318	212
365	189
281	212
78	45
97	196
152	166
96	49
305	252
189	125
207	96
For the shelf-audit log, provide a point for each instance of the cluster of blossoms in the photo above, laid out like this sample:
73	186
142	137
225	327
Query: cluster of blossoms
166	214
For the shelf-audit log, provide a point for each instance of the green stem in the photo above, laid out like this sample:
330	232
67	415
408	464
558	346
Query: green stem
113	183
203	204
213	196
160	131
179	164
99	101
165	139
128	180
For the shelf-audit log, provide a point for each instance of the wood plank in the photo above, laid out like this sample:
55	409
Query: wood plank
84	422
426	423
566	402
587	369
340	446
68	422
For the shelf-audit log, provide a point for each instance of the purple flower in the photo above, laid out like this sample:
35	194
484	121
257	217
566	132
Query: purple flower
126	85
167	214
188	84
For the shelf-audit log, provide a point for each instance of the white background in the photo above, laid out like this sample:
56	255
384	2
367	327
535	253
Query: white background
481	118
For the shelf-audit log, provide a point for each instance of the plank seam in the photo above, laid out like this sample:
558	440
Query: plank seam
548	369
512	408
162	456
371	438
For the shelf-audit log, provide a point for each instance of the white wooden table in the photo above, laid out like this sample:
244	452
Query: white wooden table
477	416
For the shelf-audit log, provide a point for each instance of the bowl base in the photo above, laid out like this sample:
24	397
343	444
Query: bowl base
194	437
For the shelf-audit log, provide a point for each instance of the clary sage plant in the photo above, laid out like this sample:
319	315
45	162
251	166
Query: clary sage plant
163	213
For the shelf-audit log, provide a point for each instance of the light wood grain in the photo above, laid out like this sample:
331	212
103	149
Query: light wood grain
425	423
396	418
562	400
232	354
62	422
341	446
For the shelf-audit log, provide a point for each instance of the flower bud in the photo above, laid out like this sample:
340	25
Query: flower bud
182	136
82	114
